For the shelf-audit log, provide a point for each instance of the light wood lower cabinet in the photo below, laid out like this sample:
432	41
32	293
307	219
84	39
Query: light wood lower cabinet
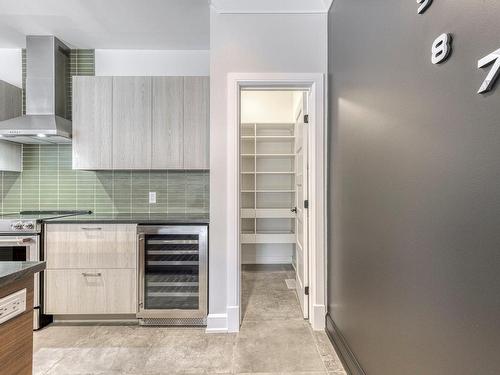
91	246
91	269
91	291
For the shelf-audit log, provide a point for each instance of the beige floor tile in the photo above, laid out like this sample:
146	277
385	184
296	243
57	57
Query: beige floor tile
276	283
274	339
46	358
273	305
60	336
131	360
192	352
106	337
85	361
276	346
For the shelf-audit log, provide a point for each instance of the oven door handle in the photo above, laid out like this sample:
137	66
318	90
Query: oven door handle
17	241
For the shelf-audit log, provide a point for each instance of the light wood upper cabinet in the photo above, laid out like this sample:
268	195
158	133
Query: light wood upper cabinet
196	122
132	122
10	107
10	101
141	122
92	122
168	123
11	159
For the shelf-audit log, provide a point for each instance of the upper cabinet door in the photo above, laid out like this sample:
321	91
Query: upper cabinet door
11	159
132	122
10	107
92	122
168	118
10	101
196	122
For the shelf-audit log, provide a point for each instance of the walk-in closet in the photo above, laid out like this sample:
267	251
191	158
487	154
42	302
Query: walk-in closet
268	167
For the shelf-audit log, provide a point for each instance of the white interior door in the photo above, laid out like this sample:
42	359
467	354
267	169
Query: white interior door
301	195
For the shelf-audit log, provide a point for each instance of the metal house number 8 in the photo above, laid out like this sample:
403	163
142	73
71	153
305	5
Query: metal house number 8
441	48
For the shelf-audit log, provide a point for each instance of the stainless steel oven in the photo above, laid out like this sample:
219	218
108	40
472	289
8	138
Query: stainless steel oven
21	248
173	272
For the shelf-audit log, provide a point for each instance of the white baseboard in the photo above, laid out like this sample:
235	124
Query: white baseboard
318	315
217	323
233	318
267	260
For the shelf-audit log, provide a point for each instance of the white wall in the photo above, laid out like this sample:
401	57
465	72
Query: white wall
122	63
267	107
294	43
11	66
110	62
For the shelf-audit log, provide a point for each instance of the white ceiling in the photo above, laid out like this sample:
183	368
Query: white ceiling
271	6
119	24
130	24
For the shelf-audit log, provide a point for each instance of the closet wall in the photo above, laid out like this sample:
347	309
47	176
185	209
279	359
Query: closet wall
267	180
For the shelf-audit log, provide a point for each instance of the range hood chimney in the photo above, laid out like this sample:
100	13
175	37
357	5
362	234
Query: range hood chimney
47	71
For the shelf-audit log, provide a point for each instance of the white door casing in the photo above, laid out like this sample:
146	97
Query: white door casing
229	320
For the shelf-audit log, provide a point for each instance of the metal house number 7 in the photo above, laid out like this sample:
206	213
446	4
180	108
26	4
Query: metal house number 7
494	72
424	4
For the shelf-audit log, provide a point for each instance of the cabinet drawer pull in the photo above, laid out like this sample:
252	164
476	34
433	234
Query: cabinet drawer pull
95	228
91	274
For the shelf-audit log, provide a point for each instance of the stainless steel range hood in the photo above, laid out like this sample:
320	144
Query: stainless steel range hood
47	71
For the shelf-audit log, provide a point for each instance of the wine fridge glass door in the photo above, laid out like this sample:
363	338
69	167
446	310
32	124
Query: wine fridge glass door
173	267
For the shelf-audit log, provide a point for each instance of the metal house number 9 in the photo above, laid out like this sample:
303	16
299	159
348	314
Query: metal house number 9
424	4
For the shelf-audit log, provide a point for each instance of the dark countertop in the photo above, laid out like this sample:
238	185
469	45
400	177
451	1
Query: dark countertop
139	218
13	271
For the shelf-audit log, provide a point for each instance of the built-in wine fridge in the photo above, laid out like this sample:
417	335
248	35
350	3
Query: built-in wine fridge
173	274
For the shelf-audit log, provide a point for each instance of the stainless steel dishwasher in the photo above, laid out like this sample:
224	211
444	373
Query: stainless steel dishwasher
173	274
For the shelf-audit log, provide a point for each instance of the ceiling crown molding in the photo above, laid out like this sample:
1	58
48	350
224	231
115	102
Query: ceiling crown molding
270	6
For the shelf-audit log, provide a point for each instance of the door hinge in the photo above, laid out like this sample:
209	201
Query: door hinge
306	203
306	290
306	119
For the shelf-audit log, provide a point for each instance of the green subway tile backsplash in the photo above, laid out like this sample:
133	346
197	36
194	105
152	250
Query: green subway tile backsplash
49	182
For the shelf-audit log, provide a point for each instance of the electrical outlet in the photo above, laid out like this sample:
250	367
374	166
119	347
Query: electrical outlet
152	197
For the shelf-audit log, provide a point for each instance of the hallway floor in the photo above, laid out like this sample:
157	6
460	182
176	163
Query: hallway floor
274	339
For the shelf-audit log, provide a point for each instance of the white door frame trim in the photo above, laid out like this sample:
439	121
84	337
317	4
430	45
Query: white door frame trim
317	188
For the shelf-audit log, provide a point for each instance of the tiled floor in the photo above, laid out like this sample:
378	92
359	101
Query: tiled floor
274	339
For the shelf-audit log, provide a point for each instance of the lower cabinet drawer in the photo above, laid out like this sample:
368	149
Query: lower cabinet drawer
91	291
90	246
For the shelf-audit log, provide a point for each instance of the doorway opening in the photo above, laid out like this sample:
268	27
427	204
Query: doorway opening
259	193
273	203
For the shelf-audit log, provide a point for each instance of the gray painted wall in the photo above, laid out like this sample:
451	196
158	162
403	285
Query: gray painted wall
414	194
